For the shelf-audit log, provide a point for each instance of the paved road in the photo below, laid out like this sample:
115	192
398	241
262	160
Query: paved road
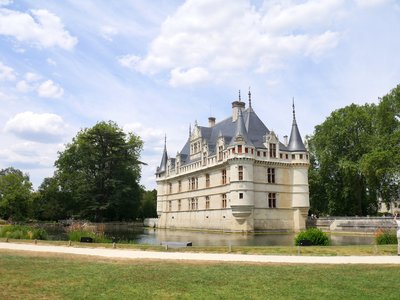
188	256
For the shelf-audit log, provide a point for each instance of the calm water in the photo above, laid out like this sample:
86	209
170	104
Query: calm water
128	232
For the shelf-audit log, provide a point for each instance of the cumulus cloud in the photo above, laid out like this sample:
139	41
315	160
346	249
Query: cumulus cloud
42	128
6	72
49	89
206	40
39	27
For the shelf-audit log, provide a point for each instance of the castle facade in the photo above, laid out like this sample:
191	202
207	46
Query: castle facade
235	175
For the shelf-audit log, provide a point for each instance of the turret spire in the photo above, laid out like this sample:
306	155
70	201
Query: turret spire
249	98
295	141
163	165
240	98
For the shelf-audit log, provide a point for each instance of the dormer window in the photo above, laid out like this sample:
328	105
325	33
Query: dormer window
272	150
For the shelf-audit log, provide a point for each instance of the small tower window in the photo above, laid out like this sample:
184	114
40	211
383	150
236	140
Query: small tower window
240	173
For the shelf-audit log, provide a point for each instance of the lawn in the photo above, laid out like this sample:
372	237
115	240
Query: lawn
42	276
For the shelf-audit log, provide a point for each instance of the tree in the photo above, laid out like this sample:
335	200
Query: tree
337	147
148	205
100	169
355	158
15	194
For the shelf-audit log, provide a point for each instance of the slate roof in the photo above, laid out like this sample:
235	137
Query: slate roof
248	125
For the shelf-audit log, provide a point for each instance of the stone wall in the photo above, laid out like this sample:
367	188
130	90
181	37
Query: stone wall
353	224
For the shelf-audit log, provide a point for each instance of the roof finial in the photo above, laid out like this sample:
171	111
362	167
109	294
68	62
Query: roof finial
249	98
294	112
165	141
240	98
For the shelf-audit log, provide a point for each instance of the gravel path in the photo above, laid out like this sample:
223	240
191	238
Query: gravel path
188	256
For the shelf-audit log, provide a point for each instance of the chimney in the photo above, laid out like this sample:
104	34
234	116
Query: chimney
211	122
285	140
236	105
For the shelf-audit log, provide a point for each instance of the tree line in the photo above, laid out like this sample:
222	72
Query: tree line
96	178
355	159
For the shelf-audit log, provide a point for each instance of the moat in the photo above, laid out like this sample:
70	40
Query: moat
152	236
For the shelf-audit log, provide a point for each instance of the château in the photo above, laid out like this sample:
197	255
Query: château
235	175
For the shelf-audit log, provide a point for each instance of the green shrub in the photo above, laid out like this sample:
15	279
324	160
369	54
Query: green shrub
386	237
316	236
23	232
76	235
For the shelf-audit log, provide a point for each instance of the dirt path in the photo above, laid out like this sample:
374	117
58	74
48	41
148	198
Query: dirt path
188	256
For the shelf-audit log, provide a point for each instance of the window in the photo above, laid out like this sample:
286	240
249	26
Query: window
169	205
293	156
240	195
220	152
197	183
301	156
170	188
179	186
240	173
287	156
271	175
194	204
223	200
272	200
179	204
272	150
246	150
223	176
258	153
207	180
265	154
194	183
280	155
207	202
239	149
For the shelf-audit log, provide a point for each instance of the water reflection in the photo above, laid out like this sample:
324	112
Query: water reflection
139	235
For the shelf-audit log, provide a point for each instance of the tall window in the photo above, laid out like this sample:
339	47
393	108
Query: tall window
271	175
179	204
240	173
194	204
170	188
271	200
169	205
179	186
220	152
272	150
239	149
223	176
224	201
207	202
207	180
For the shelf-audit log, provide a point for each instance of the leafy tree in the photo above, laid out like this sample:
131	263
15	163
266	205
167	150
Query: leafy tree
148	205
355	158
100	170
15	194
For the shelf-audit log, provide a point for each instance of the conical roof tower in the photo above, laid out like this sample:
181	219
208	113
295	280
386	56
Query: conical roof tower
295	141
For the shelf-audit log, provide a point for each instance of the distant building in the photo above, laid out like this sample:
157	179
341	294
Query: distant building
235	175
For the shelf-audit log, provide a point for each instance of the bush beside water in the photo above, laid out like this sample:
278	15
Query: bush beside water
316	236
385	237
23	232
78	230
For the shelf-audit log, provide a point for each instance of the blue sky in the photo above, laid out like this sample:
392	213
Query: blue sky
155	67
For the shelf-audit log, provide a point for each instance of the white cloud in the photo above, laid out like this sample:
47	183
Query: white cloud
49	89
40	28
209	40
191	76
24	87
6	72
5	2
371	3
129	61
108	32
51	62
32	76
42	128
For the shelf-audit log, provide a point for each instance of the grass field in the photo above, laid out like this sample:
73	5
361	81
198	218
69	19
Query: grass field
42	276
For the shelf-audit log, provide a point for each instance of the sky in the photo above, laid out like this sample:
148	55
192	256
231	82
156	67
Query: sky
157	67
